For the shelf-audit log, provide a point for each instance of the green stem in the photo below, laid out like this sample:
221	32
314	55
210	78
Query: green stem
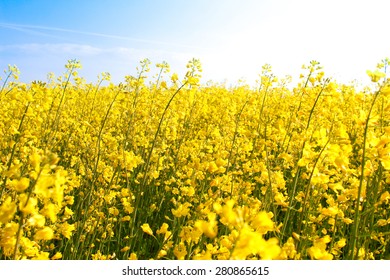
355	228
147	164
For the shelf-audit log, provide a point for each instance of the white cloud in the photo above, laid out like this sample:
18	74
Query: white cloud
119	61
33	29
72	49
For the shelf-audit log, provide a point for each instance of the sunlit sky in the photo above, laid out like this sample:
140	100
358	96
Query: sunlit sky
232	38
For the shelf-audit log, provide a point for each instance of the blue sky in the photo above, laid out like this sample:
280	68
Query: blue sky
232	38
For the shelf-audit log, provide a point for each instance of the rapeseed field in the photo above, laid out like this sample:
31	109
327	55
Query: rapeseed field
169	168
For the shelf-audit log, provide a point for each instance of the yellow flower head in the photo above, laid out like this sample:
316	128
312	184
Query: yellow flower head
21	184
318	250
37	220
7	210
180	251
57	256
174	78
50	211
375	75
208	228
67	229
28	205
44	234
146	228
181	210
163	229
262	223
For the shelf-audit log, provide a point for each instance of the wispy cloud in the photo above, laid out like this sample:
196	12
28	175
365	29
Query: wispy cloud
32	28
85	50
119	61
27	31
69	49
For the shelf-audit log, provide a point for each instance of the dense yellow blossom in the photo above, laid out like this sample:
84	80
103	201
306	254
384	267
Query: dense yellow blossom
178	169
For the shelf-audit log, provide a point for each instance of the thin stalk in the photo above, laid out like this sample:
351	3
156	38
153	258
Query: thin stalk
14	148
315	103
233	142
261	112
269	193
147	163
299	168
356	221
146	169
304	212
98	151
57	116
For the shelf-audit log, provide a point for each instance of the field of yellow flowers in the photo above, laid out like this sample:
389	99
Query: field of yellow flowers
171	169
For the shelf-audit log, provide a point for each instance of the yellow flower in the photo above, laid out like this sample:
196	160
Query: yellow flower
341	243
164	85
67	229
8	238
146	228
181	210
220	162
37	220
375	75
190	234
30	247
155	174
43	186
288	250
247	244
269	249
330	211
30	207
68	213
212	167
174	78
44	234
318	253
226	212
57	256
161	253
318	250
125	249
126	218
193	80
386	90
7	210
99	256
262	222
347	221
280	199
208	228
226	242
35	160
21	184
296	236
50	211
133	256
41	256
180	251
385	197
127	205
163	229
361	253
187	191
113	211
